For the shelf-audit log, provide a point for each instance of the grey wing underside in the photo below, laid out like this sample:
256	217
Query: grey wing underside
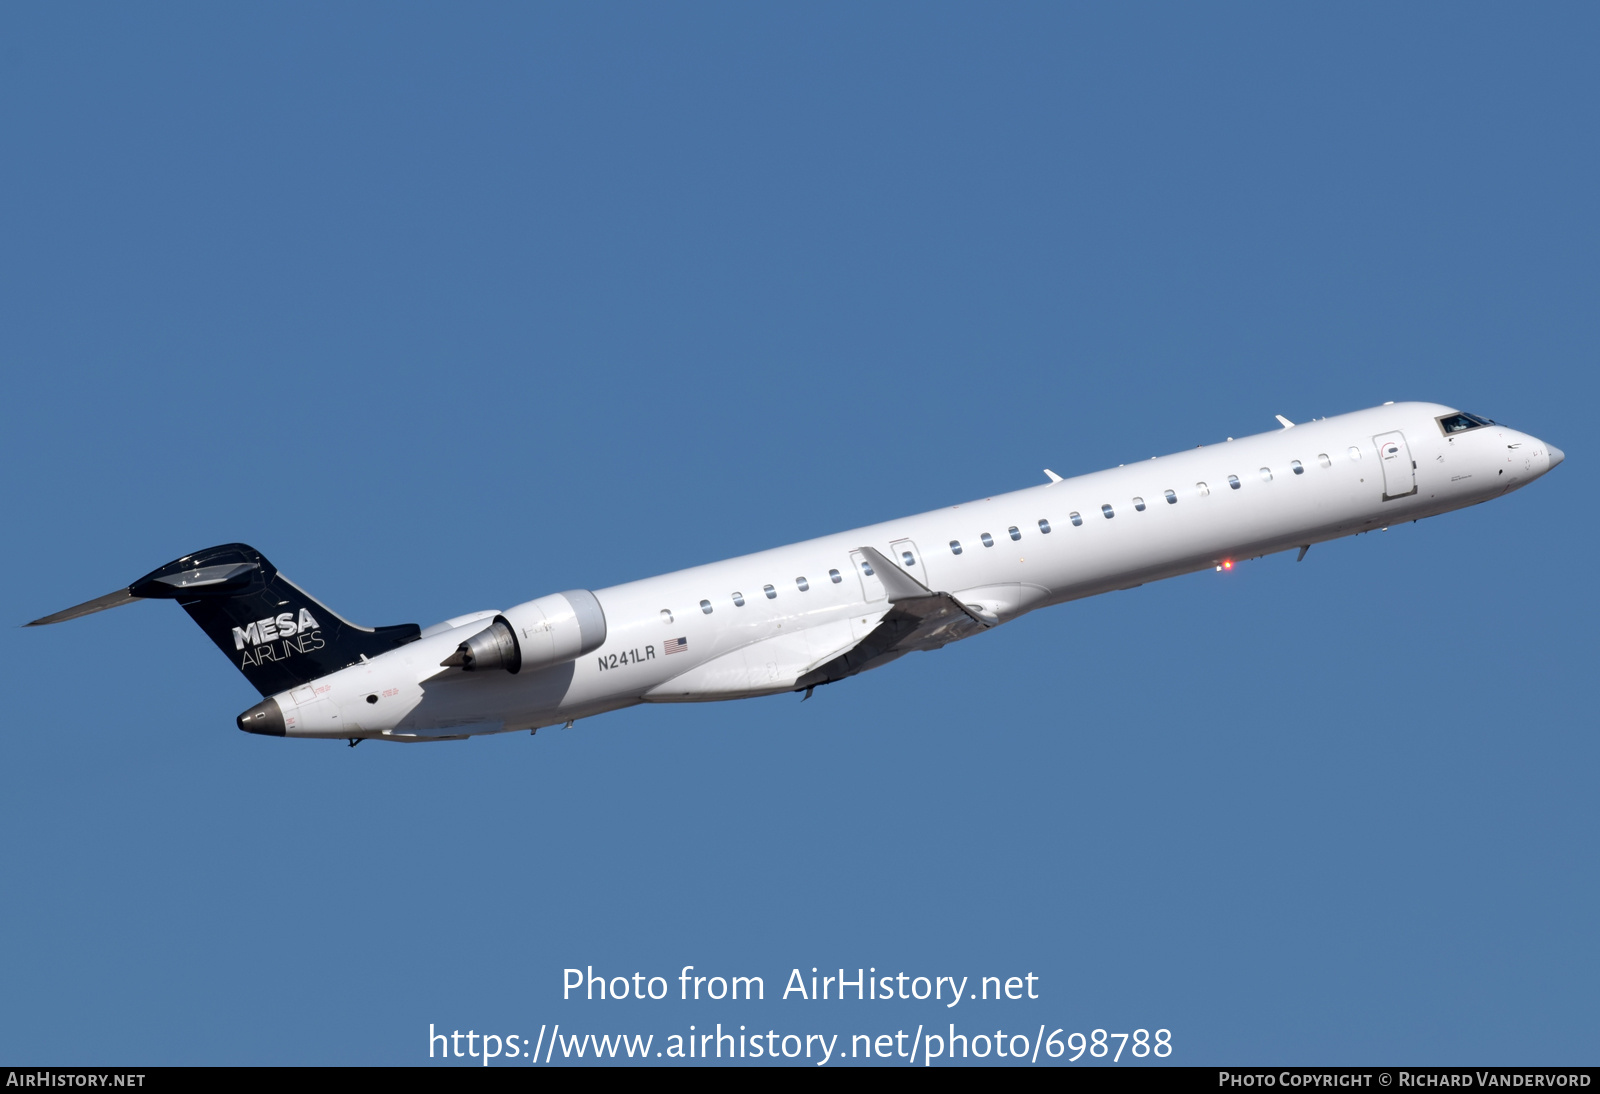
918	619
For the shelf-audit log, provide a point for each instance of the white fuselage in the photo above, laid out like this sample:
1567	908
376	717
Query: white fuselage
809	602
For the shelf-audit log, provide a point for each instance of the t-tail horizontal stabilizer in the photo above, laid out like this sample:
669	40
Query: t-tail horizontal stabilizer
88	607
271	629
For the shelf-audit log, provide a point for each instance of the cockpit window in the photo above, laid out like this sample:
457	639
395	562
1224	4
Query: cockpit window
1460	422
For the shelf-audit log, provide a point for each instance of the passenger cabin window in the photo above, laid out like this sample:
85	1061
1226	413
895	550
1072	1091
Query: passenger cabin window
1205	491
1014	533
1233	482
1298	468
955	546
833	576
1108	511
907	560
1044	526
986	539
705	606
1138	505
866	568
1355	454
1171	496
1460	423
738	600
1076	519
1266	474
772	594
802	584
666	615
1322	458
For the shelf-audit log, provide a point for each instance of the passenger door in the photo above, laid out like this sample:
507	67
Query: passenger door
1399	471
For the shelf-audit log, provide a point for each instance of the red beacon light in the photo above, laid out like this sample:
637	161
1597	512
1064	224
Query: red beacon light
1227	564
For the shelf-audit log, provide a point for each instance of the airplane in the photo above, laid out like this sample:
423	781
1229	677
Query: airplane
795	618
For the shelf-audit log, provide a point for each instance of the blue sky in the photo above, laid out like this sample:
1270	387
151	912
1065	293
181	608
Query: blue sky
446	309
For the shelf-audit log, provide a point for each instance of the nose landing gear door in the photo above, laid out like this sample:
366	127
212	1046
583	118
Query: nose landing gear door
1399	469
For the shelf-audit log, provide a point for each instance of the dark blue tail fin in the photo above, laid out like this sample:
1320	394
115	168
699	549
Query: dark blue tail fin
275	633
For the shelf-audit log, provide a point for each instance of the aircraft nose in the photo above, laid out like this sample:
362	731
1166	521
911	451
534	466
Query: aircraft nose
1556	455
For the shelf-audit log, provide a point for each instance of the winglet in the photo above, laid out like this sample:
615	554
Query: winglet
1285	422
899	584
1052	476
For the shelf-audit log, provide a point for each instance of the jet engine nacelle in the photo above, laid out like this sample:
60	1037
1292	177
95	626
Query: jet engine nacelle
549	631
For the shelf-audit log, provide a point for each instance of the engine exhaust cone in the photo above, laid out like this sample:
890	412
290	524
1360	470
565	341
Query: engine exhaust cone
494	648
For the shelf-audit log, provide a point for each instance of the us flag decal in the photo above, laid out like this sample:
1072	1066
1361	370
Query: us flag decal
677	645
